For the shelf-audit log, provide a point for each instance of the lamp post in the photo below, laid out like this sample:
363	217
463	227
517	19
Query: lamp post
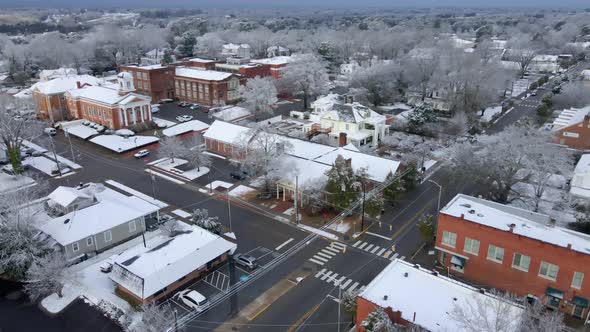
339	284
363	208
438	206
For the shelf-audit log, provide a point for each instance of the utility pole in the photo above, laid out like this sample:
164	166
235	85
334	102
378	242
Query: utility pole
228	208
296	194
175	321
70	141
438	206
363	208
339	302
54	154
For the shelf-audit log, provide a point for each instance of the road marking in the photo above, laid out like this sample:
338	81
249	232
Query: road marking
409	222
284	244
387	254
171	179
362	245
338	245
332	278
346	283
335	251
320	258
375	249
402	258
395	256
320	273
303	318
381	251
378	235
326	275
317	262
321	254
369	247
354	286
357	243
339	282
329	252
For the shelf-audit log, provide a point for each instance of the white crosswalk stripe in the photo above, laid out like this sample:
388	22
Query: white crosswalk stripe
317	262
338	245
362	245
394	256
381	252
330	250
323	255
320	273
320	258
402	258
353	287
327	253
326	275
357	243
369	247
375	249
344	285
331	277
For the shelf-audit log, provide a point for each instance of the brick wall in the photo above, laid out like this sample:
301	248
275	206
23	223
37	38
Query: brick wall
364	307
575	136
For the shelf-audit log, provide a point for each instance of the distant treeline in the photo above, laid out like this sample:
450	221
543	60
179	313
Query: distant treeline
37	27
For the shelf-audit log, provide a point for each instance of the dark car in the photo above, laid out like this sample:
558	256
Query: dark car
265	195
239	175
246	261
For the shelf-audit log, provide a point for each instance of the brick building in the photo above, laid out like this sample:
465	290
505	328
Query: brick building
207	64
411	295
244	67
49	96
572	128
206	87
277	65
113	108
156	81
515	250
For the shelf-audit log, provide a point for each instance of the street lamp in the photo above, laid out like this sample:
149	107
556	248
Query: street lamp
438	206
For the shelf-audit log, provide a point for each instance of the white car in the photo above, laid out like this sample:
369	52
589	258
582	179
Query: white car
141	154
155	110
193	299
184	118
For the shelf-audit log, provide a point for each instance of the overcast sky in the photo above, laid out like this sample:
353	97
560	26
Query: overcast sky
297	3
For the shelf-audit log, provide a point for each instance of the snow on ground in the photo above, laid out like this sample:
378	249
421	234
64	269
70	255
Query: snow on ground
189	174
257	182
81	131
398	106
34	146
55	304
193	125
162	123
68	162
218	183
45	165
340	227
10	183
318	232
121	144
181	213
134	192
240	191
489	113
124	132
214	155
428	164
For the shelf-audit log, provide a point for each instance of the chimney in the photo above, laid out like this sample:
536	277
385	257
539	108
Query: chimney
462	216
569	246
414	319
511	228
342	139
78	85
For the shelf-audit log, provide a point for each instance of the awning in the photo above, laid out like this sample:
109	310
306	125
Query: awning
580	302
554	293
458	261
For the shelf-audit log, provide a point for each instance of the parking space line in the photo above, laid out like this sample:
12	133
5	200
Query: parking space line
252	250
284	244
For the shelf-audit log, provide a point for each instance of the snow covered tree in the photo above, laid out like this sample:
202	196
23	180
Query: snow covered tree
259	95
307	75
349	303
373	200
321	139
341	188
378	321
170	228
197	155
394	189
202	219
426	228
419	117
172	147
538	318
154	318
46	276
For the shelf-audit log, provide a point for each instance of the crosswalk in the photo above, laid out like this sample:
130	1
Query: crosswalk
325	254
377	250
345	283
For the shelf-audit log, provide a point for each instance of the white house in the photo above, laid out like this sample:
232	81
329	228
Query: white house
49	74
236	50
346	121
154	57
277	51
580	184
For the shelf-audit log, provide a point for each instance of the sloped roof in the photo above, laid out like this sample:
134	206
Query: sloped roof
64	83
570	117
107	95
65	196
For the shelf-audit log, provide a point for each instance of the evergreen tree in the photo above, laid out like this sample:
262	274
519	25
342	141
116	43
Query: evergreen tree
340	187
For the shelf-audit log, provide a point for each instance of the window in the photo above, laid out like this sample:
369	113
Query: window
89	241
347	127
577	280
471	246
75	246
521	262
132	226
449	239
548	270
108	236
145	76
495	254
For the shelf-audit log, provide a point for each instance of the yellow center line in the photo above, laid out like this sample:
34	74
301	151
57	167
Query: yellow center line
410	221
304	317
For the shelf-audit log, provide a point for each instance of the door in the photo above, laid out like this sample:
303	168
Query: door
578	311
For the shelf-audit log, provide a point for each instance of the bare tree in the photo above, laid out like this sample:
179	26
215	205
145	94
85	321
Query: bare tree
171	228
202	219
46	276
307	75
574	94
322	139
259	95
197	155
154	318
538	318
172	147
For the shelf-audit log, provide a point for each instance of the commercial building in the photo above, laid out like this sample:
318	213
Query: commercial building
572	128
156	81
206	87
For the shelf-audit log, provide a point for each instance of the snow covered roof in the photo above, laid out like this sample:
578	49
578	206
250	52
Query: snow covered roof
277	60
231	113
64	83
120	144
112	209
227	132
168	259
570	117
528	224
200	74
185	127
202	60
48	74
332	107
545	58
580	185
107	96
426	299
148	67
65	196
232	46
377	168
307	171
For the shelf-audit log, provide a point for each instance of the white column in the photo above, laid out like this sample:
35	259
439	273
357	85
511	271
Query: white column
134	115
125	117
141	113
149	112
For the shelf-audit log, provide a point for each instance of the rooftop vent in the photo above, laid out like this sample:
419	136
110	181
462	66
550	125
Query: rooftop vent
66	221
385	297
435	273
482	291
471	211
454	299
480	215
406	274
417	266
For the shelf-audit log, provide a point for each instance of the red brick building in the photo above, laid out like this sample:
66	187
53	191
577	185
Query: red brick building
277	65
411	295
206	87
156	81
572	128
207	64
244	67
113	108
515	250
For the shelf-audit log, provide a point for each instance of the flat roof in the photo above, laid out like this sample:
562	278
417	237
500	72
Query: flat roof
426	299
200	74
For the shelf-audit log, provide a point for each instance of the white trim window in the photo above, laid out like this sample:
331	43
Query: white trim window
108	236
132	226
75	247
548	271
577	280
495	254
471	246
449	239
89	241
521	262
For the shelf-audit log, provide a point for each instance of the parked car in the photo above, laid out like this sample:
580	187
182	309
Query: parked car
204	110
184	118
193	299
534	93
155	110
86	123
264	195
106	266
50	131
239	175
195	107
246	261
141	154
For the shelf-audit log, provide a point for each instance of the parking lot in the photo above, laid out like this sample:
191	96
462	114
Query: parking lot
220	280
169	111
